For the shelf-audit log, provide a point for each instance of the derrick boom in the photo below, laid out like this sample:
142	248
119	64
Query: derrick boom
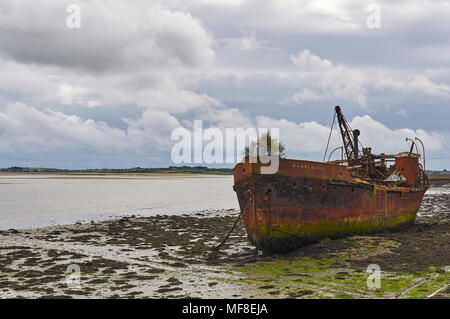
349	137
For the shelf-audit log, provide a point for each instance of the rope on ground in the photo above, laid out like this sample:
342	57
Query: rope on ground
225	239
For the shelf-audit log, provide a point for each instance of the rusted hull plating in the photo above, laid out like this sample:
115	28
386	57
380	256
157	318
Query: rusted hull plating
307	201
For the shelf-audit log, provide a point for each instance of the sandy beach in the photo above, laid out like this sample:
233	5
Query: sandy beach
172	257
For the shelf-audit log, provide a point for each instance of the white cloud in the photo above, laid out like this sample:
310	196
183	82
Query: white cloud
247	42
383	139
225	118
25	129
152	129
328	80
323	80
306	95
311	137
299	137
140	53
114	35
71	95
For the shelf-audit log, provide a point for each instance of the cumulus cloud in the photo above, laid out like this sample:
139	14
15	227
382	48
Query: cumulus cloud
152	129
323	80
299	137
383	139
329	80
25	129
124	53
246	42
225	118
311	137
114	35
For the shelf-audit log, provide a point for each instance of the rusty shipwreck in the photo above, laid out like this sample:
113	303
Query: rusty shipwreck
306	201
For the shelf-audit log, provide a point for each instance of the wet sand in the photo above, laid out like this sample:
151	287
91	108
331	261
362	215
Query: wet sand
172	257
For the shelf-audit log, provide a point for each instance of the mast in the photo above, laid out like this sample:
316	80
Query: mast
349	137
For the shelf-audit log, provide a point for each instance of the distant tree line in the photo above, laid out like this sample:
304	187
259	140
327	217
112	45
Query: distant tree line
170	169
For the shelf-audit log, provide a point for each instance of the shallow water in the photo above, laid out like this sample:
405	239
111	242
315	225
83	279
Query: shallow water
29	201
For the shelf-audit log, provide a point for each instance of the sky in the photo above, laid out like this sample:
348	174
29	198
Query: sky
108	92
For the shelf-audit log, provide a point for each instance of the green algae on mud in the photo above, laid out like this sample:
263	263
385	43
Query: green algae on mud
275	238
321	279
337	230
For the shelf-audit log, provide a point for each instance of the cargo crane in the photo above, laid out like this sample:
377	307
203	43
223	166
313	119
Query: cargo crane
362	164
365	164
349	138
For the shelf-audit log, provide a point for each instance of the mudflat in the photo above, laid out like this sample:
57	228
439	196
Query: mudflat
172	257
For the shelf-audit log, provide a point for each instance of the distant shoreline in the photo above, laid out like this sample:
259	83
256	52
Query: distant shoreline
113	173
439	179
171	170
50	175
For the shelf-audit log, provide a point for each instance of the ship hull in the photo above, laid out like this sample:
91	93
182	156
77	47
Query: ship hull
308	201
